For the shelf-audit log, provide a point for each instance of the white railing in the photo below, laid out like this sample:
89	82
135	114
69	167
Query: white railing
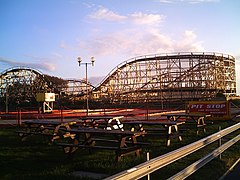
152	165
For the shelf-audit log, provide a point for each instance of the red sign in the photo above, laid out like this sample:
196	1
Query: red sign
213	107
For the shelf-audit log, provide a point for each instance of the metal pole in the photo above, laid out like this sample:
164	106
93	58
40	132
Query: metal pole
148	158
86	90
86	64
220	143
61	108
7	97
19	120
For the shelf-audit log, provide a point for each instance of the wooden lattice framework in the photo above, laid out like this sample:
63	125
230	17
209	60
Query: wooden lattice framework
76	87
169	78
21	84
162	78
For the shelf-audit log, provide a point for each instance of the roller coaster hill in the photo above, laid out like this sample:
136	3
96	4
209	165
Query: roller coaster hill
161	80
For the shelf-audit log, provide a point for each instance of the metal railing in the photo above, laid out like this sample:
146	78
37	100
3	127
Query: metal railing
152	165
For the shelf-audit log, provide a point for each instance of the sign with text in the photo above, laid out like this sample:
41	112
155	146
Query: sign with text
209	107
45	97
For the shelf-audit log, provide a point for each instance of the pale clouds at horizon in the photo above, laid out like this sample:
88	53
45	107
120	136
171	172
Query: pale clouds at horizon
136	34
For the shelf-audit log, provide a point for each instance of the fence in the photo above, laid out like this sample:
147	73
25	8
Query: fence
152	165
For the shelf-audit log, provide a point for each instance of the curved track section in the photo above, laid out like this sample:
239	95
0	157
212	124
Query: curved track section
157	79
76	87
21	84
170	78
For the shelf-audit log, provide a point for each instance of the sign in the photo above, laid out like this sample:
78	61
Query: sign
45	97
209	107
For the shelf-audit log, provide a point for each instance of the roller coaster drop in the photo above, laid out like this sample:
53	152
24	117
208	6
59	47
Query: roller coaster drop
165	78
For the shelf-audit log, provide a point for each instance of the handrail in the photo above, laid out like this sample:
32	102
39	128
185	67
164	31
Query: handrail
200	163
152	165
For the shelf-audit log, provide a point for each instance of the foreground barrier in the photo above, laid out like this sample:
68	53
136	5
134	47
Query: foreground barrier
152	165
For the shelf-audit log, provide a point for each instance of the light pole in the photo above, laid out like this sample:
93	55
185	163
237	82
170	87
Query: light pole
6	88
86	64
7	98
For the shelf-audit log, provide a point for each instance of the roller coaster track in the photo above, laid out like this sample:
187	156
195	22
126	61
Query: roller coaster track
183	75
153	78
20	84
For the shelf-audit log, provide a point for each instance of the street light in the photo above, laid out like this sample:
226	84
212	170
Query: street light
6	97
6	89
86	64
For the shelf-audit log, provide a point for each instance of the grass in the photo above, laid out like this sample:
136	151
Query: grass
35	158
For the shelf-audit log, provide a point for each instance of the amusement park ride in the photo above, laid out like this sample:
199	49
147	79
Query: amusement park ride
154	79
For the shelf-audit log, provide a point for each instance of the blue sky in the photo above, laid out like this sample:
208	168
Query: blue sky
49	35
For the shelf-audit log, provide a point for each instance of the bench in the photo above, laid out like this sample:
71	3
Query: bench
24	133
120	152
42	127
197	119
122	142
106	122
170	130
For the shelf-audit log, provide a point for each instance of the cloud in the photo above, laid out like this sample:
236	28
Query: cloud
132	42
188	42
237	57
63	45
140	34
187	1
146	19
106	14
166	1
138	18
89	4
131	39
42	65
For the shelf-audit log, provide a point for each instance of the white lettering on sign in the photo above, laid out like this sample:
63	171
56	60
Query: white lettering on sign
217	106
198	106
209	107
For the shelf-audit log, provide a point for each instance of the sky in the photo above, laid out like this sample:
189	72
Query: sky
49	35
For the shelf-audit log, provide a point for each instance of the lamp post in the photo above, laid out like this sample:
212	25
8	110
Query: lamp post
7	98
86	64
6	88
